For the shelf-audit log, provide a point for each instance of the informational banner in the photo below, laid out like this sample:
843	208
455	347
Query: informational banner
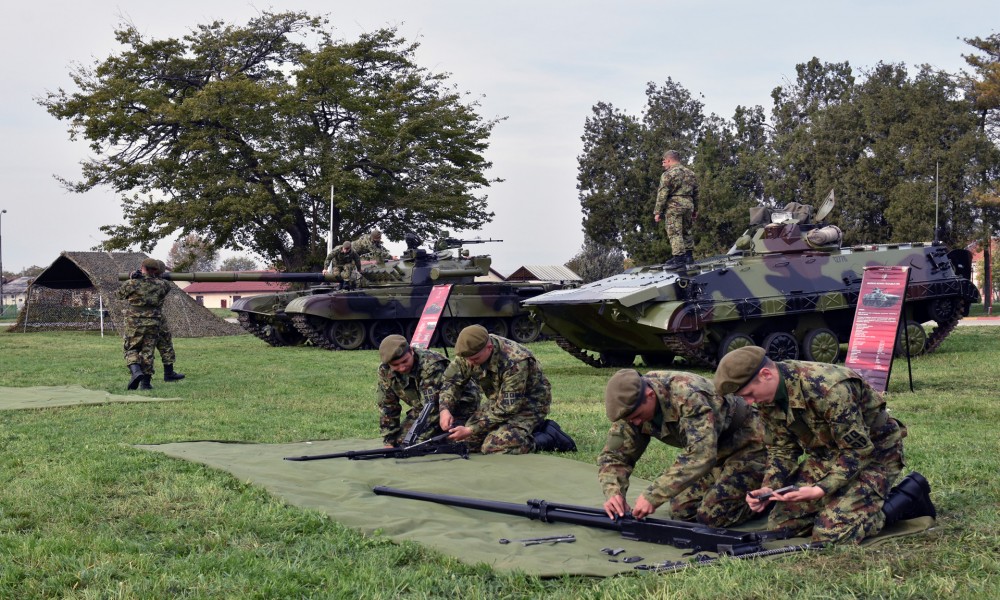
876	323
436	302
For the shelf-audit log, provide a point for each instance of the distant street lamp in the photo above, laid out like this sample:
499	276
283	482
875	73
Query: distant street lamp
1	260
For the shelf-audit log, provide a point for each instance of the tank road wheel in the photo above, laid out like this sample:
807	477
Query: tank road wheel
496	326
821	345
347	335
617	359
781	346
381	329
942	310
658	360
524	330
449	330
918	339
733	341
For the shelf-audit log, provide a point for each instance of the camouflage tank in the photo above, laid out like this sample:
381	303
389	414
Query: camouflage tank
387	298
787	285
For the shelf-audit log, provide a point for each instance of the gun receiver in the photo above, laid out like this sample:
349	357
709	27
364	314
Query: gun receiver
679	534
434	445
420	425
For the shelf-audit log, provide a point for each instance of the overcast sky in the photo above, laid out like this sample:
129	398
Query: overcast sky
542	64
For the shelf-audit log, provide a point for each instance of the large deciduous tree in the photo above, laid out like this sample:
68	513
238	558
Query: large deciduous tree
191	253
238	133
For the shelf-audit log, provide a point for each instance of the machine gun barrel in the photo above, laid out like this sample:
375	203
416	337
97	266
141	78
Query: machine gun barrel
679	534
434	445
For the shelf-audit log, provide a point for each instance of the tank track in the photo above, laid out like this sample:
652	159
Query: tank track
945	328
578	353
260	330
693	354
316	337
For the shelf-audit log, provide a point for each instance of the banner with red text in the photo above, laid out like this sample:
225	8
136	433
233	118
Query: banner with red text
436	302
876	323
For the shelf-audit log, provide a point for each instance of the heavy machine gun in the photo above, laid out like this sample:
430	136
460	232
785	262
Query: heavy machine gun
680	534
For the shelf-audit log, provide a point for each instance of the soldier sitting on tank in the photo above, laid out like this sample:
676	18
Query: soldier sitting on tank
343	263
413	376
721	436
369	246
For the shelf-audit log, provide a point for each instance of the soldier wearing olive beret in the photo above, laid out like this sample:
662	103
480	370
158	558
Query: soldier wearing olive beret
853	448
412	377
143	296
516	394
722	442
165	341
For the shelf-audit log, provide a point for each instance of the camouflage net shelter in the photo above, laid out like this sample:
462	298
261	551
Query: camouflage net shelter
74	290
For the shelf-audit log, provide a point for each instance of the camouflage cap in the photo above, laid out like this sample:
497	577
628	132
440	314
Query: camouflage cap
672	154
376	235
623	393
471	340
151	265
162	265
737	368
392	347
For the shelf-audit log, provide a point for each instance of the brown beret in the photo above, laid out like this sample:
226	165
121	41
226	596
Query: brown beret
162	265
737	368
471	340
392	347
623	393
152	265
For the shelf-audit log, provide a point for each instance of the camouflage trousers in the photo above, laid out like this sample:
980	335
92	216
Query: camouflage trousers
719	498
165	345
511	437
849	514
342	273
140	342
678	222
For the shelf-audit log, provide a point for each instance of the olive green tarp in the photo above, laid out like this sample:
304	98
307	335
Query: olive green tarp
14	398
342	489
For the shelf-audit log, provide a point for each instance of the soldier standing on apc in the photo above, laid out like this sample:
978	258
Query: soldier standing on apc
143	298
412	376
853	448
675	205
722	440
516	394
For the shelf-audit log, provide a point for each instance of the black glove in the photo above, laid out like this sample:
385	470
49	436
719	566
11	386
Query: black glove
137	274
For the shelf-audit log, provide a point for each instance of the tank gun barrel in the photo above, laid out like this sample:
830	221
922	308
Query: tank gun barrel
437	273
228	276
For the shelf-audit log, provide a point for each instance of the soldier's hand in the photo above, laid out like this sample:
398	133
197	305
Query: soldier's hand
802	494
755	504
459	433
445	420
656	218
643	508
616	506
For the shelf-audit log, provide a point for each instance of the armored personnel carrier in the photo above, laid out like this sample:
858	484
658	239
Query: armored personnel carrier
388	298
787	285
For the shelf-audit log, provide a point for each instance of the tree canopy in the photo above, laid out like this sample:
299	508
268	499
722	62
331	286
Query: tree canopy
238	134
887	140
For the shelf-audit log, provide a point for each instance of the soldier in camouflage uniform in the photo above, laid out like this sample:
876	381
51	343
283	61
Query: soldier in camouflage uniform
675	205
853	448
143	298
343	262
722	439
165	343
369	246
414	377
516	395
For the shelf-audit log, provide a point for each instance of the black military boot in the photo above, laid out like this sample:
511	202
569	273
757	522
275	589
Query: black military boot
909	500
145	383
687	258
136	370
170	375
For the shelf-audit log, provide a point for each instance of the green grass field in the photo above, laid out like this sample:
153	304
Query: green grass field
84	515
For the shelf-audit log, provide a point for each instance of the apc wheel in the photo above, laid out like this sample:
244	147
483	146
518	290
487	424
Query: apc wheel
450	328
496	326
347	335
821	345
658	360
733	341
918	339
942	310
523	330
618	359
379	330
781	346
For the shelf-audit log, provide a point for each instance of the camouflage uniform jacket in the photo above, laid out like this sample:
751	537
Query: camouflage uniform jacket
678	180
421	385
366	246
694	418
338	258
144	297
512	383
834	416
